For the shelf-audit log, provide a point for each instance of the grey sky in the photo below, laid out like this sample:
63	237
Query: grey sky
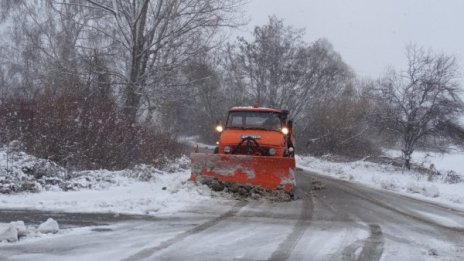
372	34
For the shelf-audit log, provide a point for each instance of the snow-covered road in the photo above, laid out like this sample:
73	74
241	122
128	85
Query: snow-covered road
335	220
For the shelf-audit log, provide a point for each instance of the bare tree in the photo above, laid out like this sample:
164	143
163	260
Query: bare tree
421	101
156	36
44	48
282	70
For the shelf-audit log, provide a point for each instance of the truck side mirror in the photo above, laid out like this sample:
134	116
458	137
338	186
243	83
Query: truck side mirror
284	115
290	124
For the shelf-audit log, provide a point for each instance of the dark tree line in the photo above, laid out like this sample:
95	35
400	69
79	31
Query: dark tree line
96	76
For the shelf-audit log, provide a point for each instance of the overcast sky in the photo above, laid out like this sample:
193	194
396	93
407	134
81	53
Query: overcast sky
372	34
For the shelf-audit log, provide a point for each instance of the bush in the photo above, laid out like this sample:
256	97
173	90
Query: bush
83	132
338	127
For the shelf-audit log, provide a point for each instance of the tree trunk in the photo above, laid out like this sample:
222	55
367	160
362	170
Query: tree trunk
407	158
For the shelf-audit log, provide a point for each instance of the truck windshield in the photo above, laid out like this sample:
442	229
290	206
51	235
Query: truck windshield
254	120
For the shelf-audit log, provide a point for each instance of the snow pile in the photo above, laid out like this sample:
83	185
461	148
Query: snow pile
49	226
20	227
8	233
445	186
11	232
22	172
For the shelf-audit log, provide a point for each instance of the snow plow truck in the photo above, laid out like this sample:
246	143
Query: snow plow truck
254	154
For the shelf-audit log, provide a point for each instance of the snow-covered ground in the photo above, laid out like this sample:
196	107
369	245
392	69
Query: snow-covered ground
194	222
168	192
31	183
142	190
446	186
145	190
39	184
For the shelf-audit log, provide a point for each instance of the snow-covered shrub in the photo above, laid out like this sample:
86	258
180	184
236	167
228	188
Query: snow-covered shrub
179	164
431	191
388	184
414	188
26	173
143	172
451	177
79	131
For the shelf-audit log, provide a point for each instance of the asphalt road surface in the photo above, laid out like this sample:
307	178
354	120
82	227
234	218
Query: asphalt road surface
330	220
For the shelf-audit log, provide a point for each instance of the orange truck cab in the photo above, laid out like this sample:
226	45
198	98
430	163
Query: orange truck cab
256	131
255	150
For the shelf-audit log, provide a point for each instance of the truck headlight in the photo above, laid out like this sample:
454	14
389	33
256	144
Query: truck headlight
285	130
219	128
272	151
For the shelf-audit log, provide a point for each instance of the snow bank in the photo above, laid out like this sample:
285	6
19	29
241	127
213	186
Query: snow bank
167	193
20	172
141	190
442	187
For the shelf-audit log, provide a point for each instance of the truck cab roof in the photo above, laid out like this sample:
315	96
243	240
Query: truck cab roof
252	108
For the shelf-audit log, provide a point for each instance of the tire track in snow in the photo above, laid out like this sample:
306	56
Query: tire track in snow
342	217
349	253
286	247
373	246
147	252
370	248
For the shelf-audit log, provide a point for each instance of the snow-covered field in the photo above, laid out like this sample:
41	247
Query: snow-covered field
446	186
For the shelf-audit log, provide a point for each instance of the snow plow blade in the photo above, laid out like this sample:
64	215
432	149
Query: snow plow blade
269	173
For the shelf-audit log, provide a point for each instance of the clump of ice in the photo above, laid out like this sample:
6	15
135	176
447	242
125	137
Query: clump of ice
49	226
20	227
8	233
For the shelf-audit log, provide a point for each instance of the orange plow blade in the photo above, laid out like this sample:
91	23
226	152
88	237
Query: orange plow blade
271	173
